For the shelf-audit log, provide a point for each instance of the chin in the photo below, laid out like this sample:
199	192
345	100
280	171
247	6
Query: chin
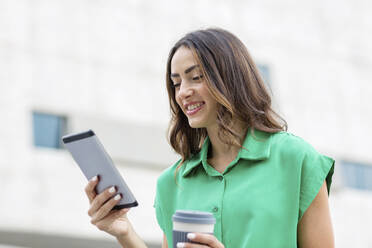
196	124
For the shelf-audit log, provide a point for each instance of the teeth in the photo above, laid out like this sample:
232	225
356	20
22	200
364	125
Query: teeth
194	106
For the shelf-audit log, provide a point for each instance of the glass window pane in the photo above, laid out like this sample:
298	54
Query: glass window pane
356	175
48	129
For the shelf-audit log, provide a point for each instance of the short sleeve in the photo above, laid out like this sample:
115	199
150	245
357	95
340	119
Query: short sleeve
315	169
159	212
164	201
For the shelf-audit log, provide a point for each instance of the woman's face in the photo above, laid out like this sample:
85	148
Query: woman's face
191	92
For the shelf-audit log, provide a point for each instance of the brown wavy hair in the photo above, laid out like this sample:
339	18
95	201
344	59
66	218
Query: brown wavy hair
234	82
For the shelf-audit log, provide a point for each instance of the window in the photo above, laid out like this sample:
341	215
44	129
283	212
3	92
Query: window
356	175
48	129
265	73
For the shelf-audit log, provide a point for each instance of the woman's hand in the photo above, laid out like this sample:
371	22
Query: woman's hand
205	240
114	222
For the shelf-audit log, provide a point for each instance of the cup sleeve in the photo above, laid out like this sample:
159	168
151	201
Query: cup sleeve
316	168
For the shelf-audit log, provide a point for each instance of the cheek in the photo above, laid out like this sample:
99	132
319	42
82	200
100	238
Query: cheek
208	97
212	103
178	101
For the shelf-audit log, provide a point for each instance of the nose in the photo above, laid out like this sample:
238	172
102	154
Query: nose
185	91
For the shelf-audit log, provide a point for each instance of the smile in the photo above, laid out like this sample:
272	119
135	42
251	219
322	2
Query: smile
194	108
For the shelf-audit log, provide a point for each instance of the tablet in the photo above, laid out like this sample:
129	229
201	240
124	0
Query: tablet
92	158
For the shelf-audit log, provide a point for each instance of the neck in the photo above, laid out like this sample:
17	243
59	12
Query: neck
221	150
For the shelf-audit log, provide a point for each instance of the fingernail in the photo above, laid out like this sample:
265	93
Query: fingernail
112	189
94	178
180	245
191	235
117	197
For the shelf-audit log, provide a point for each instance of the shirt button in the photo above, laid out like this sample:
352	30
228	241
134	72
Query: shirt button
215	209
220	178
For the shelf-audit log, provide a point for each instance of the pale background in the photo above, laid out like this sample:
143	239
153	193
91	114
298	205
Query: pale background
101	65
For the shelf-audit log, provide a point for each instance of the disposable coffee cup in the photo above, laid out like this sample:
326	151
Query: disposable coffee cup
186	221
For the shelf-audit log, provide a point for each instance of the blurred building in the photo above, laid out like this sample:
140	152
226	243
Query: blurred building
68	66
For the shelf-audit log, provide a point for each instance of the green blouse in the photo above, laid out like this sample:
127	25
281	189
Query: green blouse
260	197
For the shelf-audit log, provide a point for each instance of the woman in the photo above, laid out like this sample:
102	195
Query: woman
265	187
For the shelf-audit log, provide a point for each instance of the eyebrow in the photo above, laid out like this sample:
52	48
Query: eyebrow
186	71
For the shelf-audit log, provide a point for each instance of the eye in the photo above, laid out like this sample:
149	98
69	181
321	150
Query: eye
176	85
197	77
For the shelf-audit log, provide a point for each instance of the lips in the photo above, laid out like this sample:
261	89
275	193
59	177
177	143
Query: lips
193	107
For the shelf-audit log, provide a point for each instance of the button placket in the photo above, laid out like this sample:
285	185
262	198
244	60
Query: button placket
216	208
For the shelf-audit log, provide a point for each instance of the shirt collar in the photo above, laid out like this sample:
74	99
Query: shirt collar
255	147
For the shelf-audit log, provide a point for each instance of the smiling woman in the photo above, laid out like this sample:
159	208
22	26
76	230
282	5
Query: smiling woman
224	128
264	186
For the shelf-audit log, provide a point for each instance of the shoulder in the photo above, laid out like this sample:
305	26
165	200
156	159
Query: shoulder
288	144
167	177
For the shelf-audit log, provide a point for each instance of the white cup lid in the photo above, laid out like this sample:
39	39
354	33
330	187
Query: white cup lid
192	216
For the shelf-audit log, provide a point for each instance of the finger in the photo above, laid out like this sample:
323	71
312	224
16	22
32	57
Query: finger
114	214
105	209
191	245
206	239
100	199
90	188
